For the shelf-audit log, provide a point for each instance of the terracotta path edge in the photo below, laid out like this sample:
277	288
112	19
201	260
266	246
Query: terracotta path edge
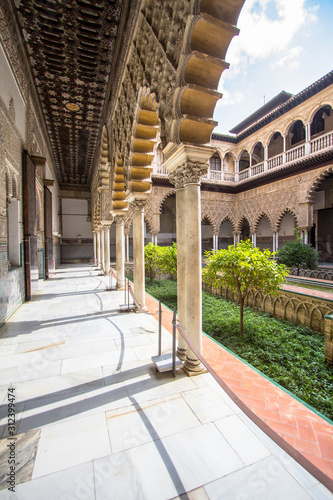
323	470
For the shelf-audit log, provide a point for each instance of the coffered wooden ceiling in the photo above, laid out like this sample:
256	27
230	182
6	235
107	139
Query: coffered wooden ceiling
74	48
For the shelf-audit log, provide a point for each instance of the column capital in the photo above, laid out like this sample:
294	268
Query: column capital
190	159
119	218
106	227
138	205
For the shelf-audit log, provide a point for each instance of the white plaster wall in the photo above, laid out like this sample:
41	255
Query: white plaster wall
287	225
264	227
74	219
8	90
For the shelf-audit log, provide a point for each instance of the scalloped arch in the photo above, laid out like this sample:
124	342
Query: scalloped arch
316	183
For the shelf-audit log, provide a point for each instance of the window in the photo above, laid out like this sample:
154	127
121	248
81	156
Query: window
215	162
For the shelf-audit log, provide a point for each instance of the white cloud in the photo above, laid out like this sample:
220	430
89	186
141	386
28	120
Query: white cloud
288	61
267	30
230	98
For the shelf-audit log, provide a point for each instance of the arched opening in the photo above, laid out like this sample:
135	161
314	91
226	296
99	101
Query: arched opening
258	154
244	161
229	163
215	167
264	233
296	135
167	234
286	228
206	236
323	219
244	230
225	235
275	146
322	122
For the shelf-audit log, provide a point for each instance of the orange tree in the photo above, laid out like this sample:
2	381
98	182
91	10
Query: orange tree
242	268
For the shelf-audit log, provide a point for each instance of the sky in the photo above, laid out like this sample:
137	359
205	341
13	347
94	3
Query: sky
282	45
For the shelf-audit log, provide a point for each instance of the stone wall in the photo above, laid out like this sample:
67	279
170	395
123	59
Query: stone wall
329	339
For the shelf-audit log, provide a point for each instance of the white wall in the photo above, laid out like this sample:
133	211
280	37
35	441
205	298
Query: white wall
74	219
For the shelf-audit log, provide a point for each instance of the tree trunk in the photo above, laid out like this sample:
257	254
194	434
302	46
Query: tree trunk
241	311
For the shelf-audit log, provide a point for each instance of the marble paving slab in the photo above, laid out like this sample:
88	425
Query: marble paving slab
25	447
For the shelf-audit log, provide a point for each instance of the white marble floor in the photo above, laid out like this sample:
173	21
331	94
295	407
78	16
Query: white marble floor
94	420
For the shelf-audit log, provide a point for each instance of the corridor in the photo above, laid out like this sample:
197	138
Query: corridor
94	420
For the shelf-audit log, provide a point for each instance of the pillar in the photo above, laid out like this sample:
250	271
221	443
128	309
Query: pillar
178	180
95	247
154	239
127	247
236	237
106	238
98	243
120	250
254	239
190	162
102	248
215	242
138	252
307	139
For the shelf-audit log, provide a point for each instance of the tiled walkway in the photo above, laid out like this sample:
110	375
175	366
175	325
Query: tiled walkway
95	421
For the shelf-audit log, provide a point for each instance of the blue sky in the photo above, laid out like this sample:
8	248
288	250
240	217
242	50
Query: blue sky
283	45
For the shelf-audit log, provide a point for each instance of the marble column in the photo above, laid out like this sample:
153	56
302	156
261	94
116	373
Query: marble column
177	179
102	248
95	247
193	266
191	162
138	251
127	247
98	248
215	242
106	234
254	239
120	250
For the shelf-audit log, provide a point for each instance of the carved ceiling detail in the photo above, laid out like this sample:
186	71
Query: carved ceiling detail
71	48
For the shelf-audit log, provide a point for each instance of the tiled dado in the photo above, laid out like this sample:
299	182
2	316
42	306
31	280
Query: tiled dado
293	426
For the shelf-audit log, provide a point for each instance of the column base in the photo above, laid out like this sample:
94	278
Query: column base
181	353
193	367
142	309
120	286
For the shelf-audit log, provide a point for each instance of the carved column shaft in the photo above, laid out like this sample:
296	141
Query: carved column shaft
98	245
178	180
102	248
120	251
138	252
106	236
189	162
95	247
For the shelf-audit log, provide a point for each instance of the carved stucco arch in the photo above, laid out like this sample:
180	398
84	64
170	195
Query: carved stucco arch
209	217
315	184
283	213
258	219
166	195
179	54
230	219
240	221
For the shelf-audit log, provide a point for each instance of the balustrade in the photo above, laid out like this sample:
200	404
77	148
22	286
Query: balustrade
314	146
